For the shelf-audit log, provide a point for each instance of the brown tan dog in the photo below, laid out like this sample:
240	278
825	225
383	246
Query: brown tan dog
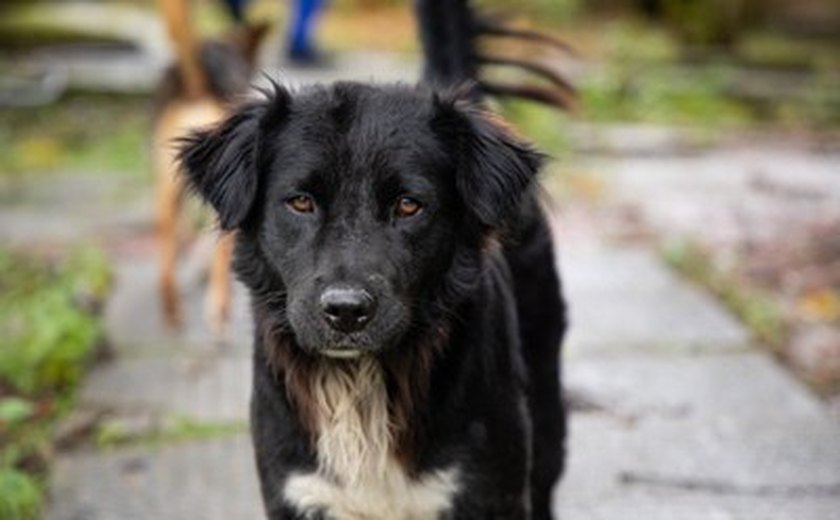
194	93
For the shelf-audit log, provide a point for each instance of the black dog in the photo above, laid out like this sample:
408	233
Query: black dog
408	313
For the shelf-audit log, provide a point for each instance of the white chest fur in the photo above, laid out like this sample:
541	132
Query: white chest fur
357	476
389	496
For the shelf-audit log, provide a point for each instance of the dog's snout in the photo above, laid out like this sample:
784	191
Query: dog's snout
347	309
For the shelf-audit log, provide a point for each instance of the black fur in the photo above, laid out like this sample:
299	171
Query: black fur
468	283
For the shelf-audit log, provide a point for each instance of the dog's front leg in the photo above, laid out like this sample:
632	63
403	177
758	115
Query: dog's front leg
280	445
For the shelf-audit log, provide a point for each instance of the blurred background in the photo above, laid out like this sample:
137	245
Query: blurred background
695	193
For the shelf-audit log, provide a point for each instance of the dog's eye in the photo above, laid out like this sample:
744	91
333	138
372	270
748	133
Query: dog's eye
301	203
408	207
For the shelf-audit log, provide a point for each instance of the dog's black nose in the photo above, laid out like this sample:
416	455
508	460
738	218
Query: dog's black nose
347	309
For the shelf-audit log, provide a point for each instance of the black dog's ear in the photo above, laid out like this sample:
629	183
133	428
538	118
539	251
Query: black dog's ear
220	163
495	166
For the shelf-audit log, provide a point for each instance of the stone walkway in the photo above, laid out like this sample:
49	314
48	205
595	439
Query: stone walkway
677	414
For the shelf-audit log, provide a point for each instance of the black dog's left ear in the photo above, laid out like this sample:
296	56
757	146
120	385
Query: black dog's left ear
220	163
495	167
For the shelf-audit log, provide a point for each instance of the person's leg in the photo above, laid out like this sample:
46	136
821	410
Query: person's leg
304	13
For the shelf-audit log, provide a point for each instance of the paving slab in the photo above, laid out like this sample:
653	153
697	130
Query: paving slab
134	321
210	480
749	191
213	389
686	420
750	441
636	139
743	386
717	436
668	468
71	207
624	299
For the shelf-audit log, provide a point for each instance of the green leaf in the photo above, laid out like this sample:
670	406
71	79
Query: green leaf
14	410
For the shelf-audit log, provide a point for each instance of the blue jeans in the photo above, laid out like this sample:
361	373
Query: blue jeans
303	16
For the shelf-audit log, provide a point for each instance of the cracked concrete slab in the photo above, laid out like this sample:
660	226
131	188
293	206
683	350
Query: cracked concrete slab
214	389
692	467
207	480
622	299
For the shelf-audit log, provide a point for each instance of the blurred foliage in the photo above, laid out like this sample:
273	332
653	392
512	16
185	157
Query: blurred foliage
48	315
546	127
98	133
820	305
554	11
637	93
20	495
630	41
708	22
45	313
774	49
821	103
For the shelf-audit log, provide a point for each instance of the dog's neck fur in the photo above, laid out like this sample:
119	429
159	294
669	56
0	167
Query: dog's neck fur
354	436
359	475
361	415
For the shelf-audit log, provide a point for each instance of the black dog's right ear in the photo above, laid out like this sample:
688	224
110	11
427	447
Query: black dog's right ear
220	163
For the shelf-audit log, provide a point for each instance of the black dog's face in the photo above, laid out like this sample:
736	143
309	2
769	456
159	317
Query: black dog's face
359	199
357	220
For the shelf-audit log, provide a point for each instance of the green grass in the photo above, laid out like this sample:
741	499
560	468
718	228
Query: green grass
640	82
776	50
89	133
48	315
20	495
647	75
111	433
547	128
660	95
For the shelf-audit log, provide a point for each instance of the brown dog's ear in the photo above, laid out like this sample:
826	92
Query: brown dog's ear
495	167
220	163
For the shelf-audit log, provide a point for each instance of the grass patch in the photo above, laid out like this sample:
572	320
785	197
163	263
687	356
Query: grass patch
756	309
776	50
640	82
547	128
48	312
21	495
647	75
660	95
113	433
98	133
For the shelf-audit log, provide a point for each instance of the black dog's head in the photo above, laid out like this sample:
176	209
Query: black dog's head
359	209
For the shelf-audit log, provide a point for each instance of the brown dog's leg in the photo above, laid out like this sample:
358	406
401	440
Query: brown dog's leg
169	195
219	295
